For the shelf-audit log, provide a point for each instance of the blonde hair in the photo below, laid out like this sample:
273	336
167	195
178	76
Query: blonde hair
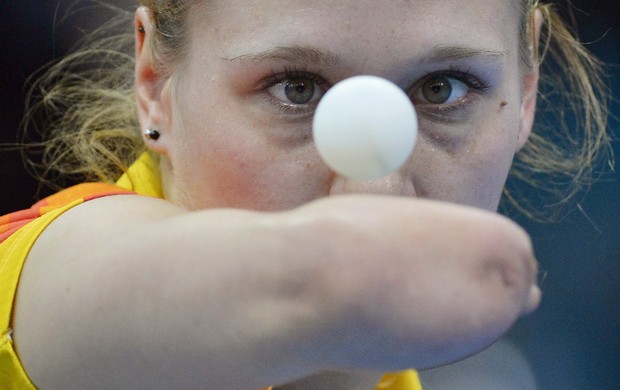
570	139
83	108
92	133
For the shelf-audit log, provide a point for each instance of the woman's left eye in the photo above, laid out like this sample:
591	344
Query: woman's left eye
444	90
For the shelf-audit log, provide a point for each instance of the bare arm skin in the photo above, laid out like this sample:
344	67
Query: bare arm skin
133	292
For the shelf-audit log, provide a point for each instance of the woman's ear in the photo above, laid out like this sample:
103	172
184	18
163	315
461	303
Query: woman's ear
152	89
530	84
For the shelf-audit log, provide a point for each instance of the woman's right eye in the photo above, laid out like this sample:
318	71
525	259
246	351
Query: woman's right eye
295	92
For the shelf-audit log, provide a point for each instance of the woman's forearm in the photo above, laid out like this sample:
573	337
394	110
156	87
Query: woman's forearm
238	299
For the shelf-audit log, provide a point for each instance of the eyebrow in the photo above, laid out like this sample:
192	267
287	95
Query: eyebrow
309	54
455	53
293	54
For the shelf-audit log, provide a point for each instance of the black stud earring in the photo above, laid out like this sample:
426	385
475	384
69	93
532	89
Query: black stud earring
152	134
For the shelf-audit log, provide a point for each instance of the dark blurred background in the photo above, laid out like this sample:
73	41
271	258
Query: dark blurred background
572	341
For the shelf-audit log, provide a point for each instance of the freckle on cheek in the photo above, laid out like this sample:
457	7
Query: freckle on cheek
503	104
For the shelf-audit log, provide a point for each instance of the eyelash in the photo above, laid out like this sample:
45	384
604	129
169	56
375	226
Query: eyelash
466	75
293	73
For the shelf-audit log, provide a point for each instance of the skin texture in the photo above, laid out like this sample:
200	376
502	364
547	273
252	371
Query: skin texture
263	266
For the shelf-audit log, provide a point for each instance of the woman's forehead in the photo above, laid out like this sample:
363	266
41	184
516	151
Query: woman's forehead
258	26
398	9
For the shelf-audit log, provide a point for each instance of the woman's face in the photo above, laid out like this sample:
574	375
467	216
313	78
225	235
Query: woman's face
236	117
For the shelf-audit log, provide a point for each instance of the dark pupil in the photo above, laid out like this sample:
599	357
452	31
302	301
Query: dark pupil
299	91
437	90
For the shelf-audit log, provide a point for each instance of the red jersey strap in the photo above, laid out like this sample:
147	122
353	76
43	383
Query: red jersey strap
10	223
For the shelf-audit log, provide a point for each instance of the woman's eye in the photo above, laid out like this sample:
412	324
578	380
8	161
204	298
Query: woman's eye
442	90
296	91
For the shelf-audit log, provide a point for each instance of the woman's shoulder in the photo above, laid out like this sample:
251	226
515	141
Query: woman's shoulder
18	232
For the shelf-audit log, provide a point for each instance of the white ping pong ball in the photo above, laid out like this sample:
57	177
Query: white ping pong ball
365	127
